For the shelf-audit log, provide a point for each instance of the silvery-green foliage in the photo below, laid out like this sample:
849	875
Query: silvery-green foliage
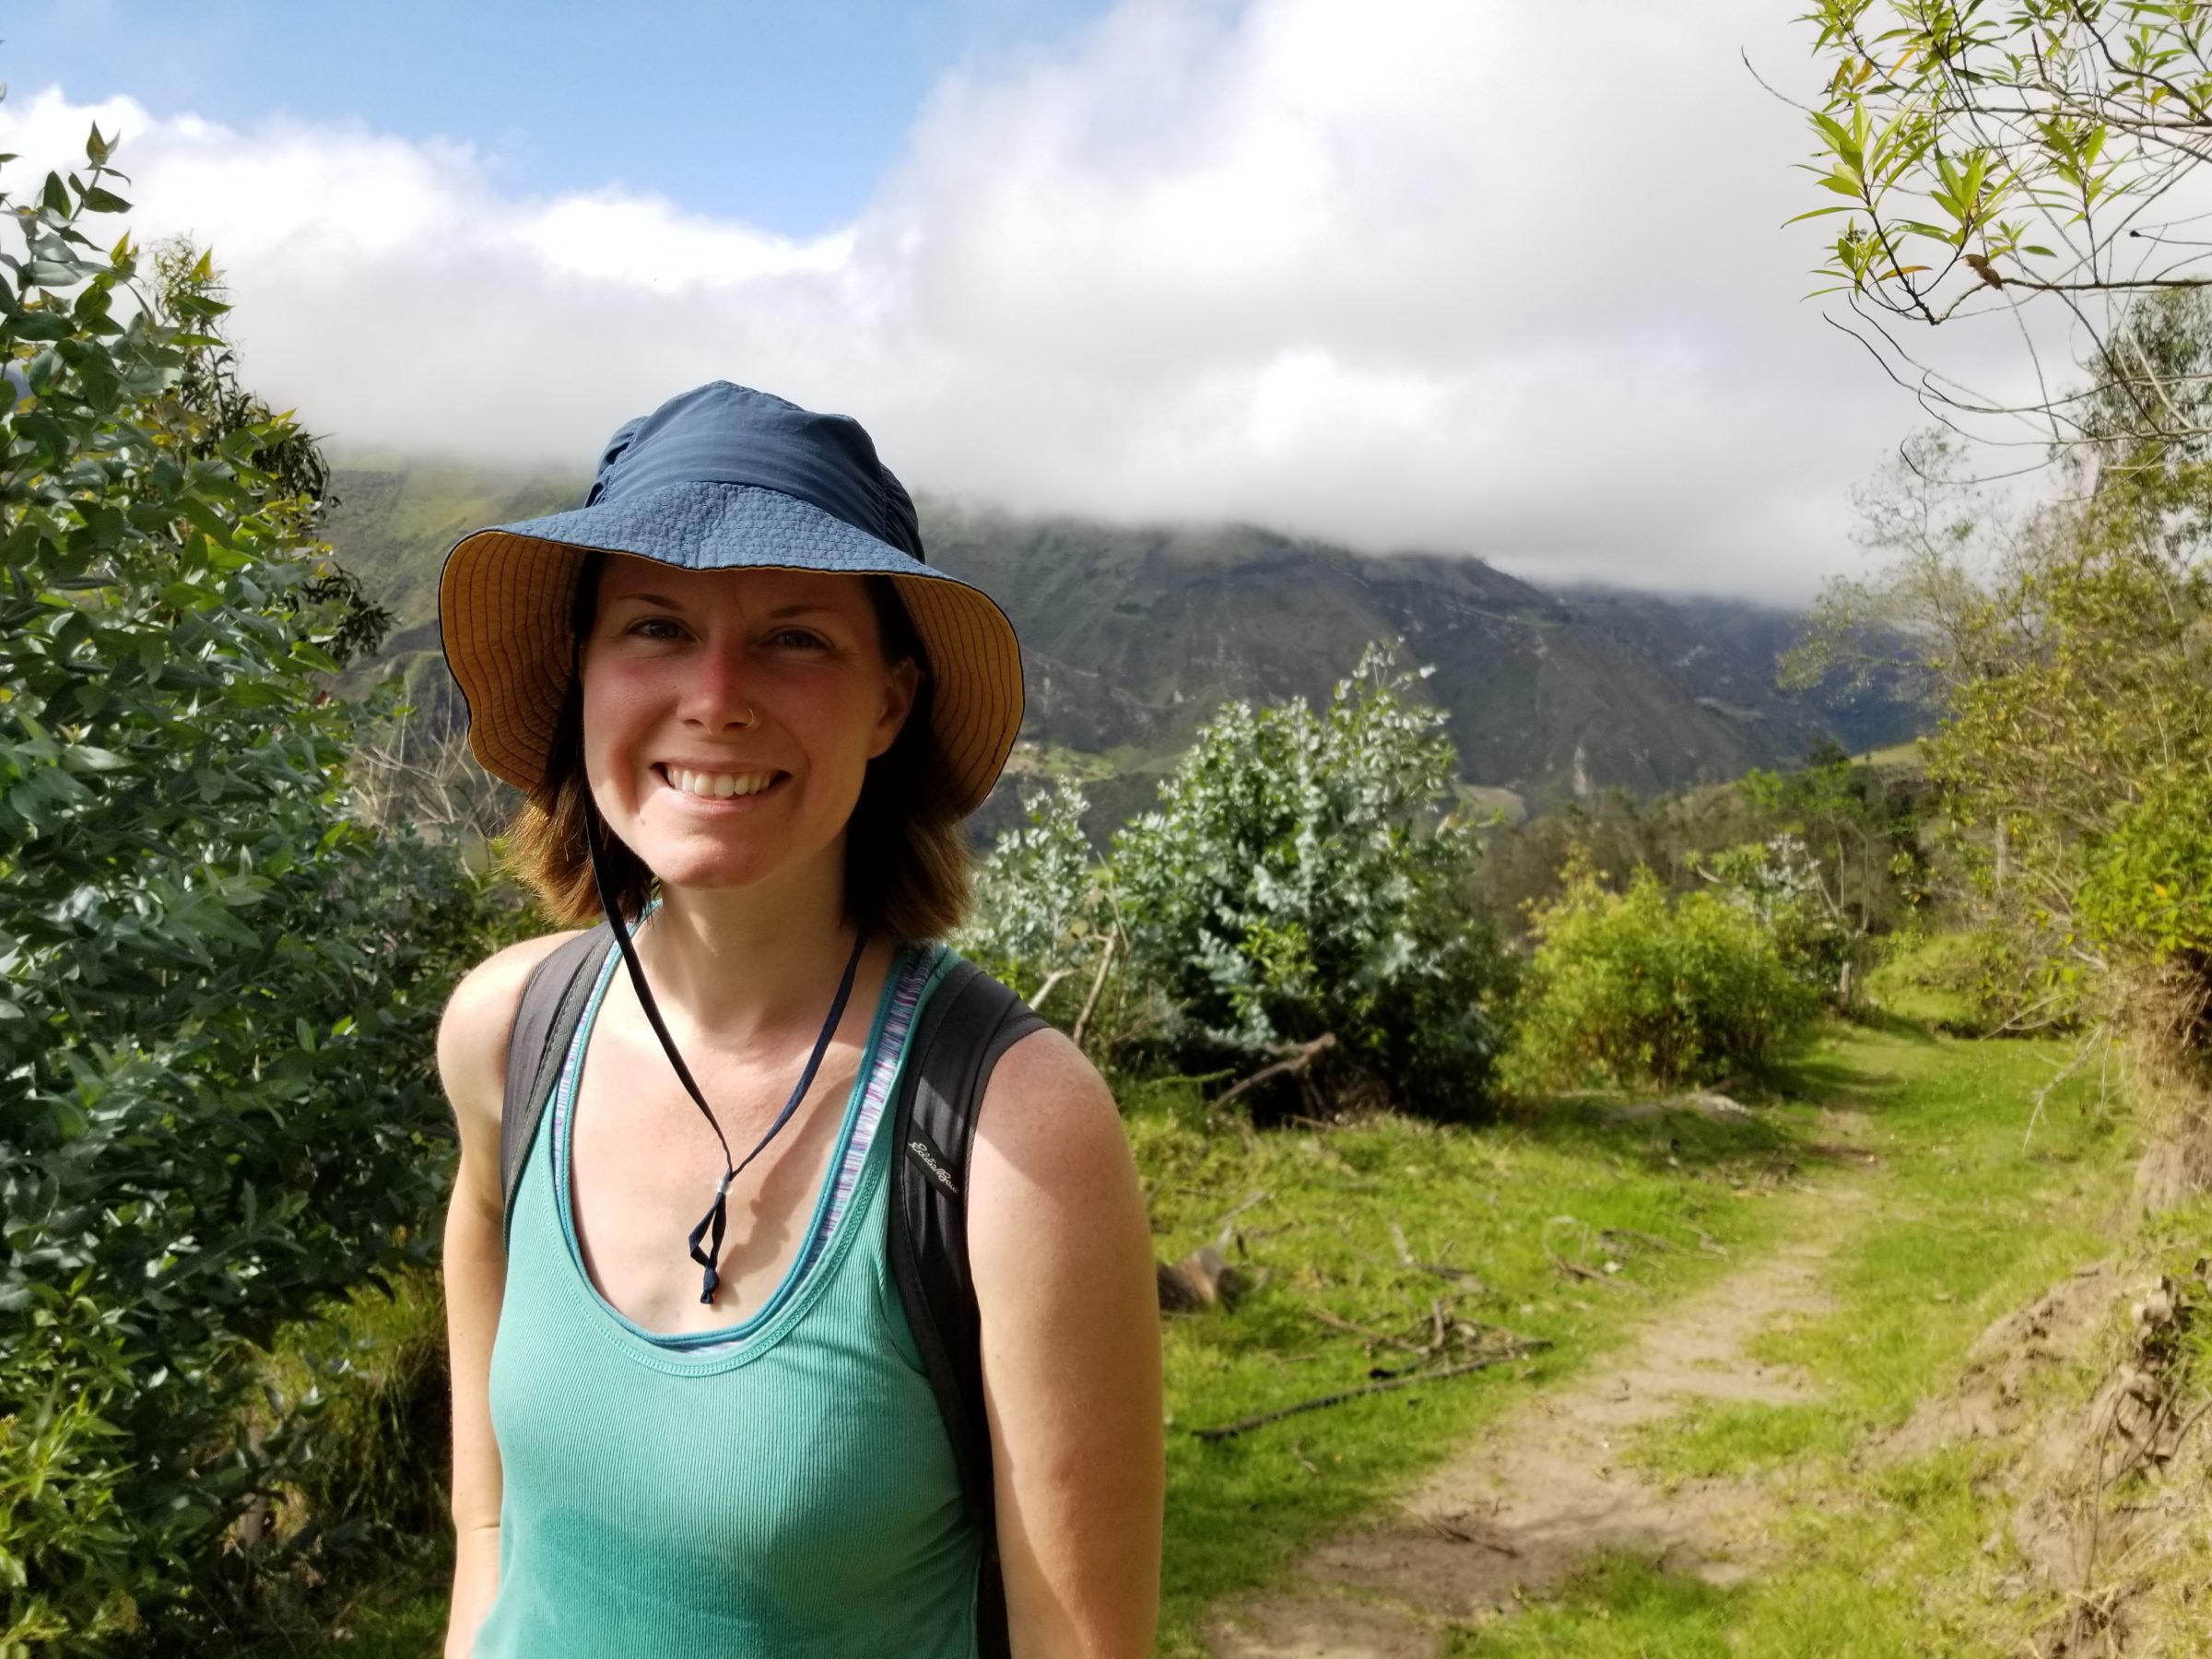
1774	879
1039	914
1303	875
1780	885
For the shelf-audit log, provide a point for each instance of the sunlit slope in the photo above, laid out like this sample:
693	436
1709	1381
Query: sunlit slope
1138	634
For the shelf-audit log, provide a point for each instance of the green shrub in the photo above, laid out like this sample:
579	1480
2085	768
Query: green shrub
1041	914
1640	986
1303	876
2149	882
1779	883
1046	921
218	994
362	1394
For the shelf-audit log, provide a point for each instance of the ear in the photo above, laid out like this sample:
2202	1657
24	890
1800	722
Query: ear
902	683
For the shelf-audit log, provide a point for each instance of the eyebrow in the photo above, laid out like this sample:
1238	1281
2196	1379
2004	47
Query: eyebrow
781	613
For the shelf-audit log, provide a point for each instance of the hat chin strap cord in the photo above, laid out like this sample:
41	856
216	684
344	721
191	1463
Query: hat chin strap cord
715	1222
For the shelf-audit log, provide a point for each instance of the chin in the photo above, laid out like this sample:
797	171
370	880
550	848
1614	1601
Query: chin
730	870
710	876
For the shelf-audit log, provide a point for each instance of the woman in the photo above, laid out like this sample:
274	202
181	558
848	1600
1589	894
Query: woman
749	719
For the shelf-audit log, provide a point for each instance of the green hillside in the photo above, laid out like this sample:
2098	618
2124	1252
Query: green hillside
1134	635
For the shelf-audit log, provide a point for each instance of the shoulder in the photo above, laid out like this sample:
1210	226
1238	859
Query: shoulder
1041	1090
472	1033
1049	1160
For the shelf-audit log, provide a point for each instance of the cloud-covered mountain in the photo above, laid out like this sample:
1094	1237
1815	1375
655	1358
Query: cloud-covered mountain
1134	637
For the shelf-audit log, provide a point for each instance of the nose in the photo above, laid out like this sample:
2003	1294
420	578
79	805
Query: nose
717	693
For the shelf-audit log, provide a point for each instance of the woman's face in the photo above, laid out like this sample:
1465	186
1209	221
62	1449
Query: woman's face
729	716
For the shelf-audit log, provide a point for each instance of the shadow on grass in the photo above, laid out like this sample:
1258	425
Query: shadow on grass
1771	1127
1616	1608
1842	1082
1665	1134
1891	1024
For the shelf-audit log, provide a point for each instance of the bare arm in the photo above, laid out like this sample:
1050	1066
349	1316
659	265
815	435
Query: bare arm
1062	1255
472	1062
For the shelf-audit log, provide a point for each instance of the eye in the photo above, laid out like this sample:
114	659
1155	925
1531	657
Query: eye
803	639
645	626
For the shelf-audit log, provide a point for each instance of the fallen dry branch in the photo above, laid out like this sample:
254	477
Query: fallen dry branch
1455	1275
1282	1068
1332	1320
1577	1270
1454	1534
1229	1430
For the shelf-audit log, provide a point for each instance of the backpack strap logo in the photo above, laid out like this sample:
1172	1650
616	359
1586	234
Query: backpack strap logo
933	1164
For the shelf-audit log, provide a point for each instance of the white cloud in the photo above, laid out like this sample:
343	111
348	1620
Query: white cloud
1458	275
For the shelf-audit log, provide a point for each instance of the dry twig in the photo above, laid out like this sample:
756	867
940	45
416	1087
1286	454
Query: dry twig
1229	1222
1098	984
1245	1425
1297	1062
1576	1270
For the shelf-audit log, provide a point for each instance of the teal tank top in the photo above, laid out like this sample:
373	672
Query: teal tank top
782	1486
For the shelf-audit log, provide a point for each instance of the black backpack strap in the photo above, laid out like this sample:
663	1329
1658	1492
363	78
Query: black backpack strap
970	1020
544	1021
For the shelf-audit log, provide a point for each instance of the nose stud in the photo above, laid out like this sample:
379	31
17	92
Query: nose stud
751	719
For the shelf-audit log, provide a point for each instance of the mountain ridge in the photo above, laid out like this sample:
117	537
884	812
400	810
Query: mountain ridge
1133	635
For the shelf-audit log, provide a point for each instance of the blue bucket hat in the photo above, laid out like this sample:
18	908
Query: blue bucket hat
721	478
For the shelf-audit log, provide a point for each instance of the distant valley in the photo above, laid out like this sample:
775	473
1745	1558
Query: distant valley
1133	636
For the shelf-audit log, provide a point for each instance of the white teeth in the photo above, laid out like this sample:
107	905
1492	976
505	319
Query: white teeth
719	785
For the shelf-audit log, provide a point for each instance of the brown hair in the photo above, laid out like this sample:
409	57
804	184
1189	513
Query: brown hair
907	858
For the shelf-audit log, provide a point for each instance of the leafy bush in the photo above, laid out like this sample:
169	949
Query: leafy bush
1640	986
1303	876
1782	887
1040	905
1046	920
364	1397
218	994
2148	881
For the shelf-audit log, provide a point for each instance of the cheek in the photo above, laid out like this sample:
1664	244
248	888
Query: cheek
610	718
842	740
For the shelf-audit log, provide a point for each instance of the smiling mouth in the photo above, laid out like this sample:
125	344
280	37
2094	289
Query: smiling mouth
718	786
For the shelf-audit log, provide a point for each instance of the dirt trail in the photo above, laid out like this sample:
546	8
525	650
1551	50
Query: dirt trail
1540	1492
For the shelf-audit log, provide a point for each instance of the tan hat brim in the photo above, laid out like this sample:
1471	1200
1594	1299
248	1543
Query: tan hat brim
505	601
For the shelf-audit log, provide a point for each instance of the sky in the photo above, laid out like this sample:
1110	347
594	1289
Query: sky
1466	277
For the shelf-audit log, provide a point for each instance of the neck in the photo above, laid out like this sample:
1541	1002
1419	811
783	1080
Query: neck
744	964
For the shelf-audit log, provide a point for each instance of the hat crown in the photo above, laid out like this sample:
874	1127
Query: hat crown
720	433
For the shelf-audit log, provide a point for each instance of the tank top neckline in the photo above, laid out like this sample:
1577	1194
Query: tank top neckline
842	1194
